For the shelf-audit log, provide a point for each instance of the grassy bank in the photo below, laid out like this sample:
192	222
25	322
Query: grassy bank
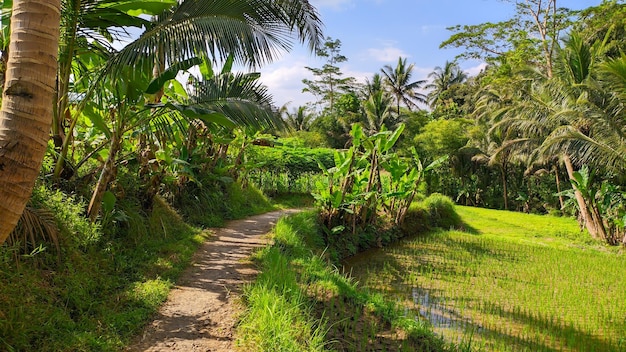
301	302
110	277
510	282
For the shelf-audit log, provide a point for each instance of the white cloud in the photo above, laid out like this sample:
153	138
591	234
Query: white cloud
475	70
360	76
422	72
284	81
386	54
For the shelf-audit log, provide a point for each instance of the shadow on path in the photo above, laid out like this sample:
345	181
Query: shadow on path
200	312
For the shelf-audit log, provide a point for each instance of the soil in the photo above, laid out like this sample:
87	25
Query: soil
201	311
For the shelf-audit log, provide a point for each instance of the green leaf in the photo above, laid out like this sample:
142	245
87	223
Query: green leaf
178	89
357	135
142	7
171	73
393	138
437	163
321	165
228	65
98	122
206	69
196	112
337	229
5	15
108	201
336	199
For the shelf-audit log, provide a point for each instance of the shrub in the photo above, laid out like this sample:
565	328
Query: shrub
436	210
441	212
76	230
207	206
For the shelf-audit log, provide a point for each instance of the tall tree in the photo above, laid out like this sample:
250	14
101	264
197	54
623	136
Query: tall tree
329	82
442	79
572	117
88	28
531	36
254	32
299	119
27	103
378	113
399	81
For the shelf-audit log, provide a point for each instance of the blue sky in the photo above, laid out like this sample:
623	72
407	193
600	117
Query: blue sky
374	33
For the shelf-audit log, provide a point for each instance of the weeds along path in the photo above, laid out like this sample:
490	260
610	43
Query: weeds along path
201	310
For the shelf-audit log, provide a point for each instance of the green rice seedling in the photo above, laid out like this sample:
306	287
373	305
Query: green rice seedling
522	281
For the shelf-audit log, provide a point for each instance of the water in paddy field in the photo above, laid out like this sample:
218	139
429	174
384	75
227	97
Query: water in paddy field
424	305
483	322
440	315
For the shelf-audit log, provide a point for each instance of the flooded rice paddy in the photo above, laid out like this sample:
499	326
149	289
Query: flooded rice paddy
514	282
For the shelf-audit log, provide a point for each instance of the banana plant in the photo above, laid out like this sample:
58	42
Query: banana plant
88	30
369	178
415	178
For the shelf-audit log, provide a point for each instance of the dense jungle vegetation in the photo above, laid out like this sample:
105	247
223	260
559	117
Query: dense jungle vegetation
105	192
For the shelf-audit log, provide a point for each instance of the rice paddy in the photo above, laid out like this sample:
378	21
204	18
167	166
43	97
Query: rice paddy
509	282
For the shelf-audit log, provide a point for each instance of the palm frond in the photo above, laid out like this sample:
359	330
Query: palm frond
36	227
253	31
604	151
615	75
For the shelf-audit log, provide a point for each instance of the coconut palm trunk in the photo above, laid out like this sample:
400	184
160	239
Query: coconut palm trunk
585	213
27	103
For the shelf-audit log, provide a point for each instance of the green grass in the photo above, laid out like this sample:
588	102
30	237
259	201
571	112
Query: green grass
212	205
512	282
109	280
300	302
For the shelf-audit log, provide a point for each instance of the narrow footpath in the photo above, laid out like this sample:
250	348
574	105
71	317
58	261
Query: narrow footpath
200	312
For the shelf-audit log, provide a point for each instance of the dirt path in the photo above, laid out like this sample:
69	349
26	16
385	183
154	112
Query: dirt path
200	312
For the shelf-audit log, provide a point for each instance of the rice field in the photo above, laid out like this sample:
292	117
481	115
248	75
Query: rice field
509	282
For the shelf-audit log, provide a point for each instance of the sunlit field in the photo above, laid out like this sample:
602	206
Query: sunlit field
508	282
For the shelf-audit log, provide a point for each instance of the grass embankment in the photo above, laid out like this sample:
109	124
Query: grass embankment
301	302
512	282
107	281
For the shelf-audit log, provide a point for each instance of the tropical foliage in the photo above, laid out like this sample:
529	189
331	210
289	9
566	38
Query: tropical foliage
370	184
148	112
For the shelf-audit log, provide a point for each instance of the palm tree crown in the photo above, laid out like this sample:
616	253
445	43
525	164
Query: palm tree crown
442	79
398	80
253	31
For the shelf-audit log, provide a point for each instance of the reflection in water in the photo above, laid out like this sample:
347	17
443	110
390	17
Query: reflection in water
440	316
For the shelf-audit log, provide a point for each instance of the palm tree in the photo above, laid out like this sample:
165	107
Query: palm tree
224	99
378	113
254	32
442	79
373	86
398	80
27	104
299	120
576	115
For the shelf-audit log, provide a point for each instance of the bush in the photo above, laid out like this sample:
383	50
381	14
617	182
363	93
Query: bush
207	206
441	212
306	139
294	160
76	230
106	284
434	211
